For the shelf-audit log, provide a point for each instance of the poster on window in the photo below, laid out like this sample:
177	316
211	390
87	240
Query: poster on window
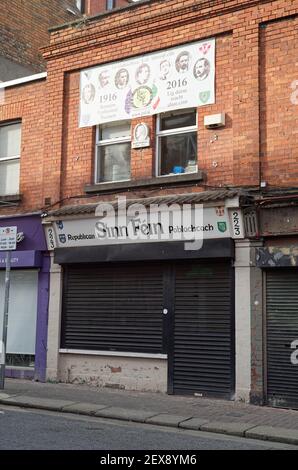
176	78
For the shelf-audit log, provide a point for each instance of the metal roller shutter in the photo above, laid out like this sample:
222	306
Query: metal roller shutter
282	330
113	308
204	330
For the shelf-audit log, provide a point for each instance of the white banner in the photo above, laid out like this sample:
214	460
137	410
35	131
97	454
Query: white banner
176	78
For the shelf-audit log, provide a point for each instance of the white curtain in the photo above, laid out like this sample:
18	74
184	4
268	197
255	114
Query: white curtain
9	177
22	311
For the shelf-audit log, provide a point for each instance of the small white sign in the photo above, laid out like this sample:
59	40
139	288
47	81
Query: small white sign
50	236
8	238
141	136
237	225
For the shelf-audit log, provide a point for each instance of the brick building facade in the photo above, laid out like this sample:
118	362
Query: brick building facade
246	168
24	29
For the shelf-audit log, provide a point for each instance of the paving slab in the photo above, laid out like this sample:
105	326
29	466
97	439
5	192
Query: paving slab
235	429
193	423
276	434
41	403
165	419
193	413
83	408
126	414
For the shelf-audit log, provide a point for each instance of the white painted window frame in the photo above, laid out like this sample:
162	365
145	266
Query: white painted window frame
86	352
179	130
16	158
102	143
110	4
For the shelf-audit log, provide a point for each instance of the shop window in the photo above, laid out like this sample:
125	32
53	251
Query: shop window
10	149
20	360
113	144
22	315
177	143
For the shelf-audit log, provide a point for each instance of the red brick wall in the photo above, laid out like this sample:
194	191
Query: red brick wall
24	28
244	48
27	102
279	103
78	144
215	158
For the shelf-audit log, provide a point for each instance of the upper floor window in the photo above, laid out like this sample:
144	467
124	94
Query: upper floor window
110	4
80	5
10	149
177	142
113	144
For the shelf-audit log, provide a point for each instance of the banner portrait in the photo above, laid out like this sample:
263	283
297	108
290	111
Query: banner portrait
176	78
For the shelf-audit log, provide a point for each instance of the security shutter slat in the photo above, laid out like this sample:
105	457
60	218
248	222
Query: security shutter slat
203	351
282	330
113	308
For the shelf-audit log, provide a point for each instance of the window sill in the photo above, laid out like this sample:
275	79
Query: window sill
8	366
113	353
10	200
148	183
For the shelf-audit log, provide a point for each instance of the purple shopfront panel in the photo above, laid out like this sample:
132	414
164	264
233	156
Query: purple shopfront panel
42	320
22	259
32	253
33	231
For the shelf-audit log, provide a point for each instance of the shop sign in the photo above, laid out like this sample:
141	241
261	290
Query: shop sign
178	223
50	237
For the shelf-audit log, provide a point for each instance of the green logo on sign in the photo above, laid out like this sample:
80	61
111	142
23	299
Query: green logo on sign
222	226
204	96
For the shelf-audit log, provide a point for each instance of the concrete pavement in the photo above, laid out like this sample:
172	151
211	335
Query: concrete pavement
194	413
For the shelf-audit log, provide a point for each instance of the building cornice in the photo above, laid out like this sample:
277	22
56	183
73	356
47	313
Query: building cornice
149	23
22	80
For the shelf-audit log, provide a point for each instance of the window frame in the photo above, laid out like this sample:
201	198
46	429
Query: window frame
166	133
102	143
14	157
110	7
80	4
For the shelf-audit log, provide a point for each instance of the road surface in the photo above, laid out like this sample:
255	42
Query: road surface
25	429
